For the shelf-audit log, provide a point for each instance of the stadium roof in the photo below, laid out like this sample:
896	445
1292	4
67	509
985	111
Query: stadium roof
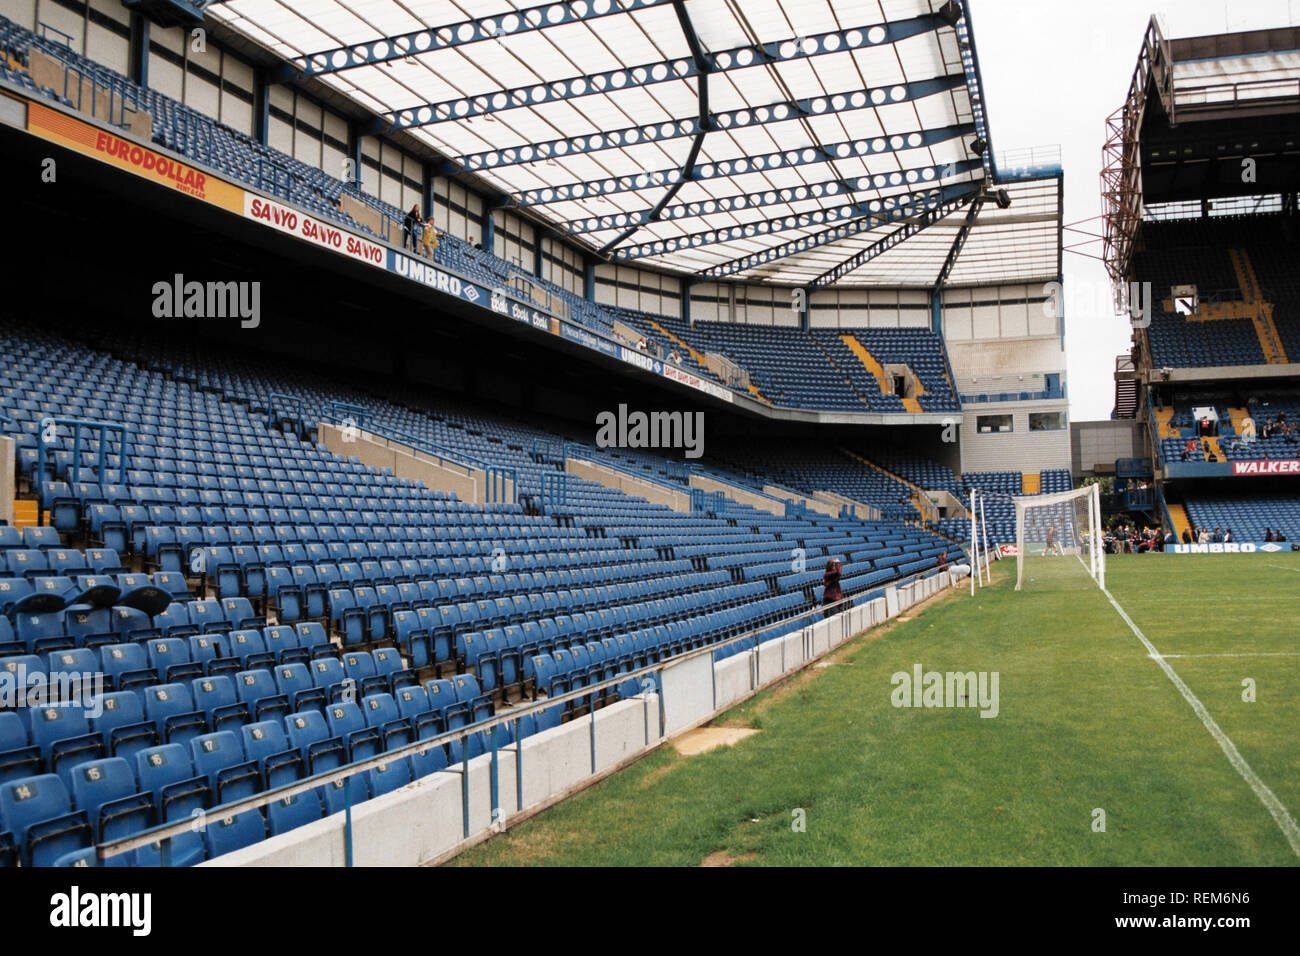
792	141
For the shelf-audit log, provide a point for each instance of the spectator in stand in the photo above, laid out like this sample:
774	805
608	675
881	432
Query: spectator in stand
1187	536
831	592
1189	449
410	225
1217	537
429	239
1279	536
1227	537
1204	537
1268	535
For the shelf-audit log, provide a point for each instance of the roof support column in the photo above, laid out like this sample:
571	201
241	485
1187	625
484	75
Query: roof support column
354	153
138	47
262	107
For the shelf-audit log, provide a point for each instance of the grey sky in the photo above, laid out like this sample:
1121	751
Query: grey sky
1053	71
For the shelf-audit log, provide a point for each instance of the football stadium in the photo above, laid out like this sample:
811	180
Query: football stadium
642	432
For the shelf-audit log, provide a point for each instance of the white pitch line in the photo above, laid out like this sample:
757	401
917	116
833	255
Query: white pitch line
1241	654
1281	816
1284	568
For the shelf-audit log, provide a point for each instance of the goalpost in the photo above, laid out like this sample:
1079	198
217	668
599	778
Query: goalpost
979	543
1058	537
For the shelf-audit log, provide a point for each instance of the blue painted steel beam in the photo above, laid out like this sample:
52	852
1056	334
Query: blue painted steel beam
958	242
970	62
935	211
896	206
945	198
386	49
663	71
796	156
701	61
723	121
773	197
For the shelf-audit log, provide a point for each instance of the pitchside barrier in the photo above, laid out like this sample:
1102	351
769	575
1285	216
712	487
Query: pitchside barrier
445	812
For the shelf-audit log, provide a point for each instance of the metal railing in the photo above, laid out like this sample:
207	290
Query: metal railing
555	489
287	403
49	435
345	413
1244	93
706	501
502	485
415	443
1028	163
585	453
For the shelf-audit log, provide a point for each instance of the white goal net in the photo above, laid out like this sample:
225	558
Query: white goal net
1055	536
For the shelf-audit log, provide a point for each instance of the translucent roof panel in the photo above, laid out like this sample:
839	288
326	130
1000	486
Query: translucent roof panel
754	140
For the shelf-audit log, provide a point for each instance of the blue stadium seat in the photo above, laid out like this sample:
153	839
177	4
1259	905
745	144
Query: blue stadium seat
38	812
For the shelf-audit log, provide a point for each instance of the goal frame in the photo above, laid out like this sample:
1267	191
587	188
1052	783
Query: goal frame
1096	562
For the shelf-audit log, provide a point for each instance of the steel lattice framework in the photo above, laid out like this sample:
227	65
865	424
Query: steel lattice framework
704	138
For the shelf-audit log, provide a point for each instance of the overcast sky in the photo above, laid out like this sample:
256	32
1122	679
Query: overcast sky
1053	71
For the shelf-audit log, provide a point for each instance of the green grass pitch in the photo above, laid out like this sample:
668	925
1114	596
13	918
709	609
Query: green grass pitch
1086	722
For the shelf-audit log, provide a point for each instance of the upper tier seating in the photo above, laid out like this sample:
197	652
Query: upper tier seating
1199	252
787	365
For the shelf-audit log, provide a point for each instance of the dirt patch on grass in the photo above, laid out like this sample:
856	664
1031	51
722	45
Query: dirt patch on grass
703	739
724	858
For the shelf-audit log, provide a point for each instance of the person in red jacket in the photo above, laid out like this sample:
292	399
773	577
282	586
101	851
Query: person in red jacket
831	592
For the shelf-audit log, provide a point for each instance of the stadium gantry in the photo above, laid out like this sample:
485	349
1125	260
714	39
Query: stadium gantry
1200	191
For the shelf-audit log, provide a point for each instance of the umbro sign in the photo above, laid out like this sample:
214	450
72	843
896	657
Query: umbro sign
1230	547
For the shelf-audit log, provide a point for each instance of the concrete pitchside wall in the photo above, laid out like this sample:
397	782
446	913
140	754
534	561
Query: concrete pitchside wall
739	495
438	474
428	819
629	484
8	489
